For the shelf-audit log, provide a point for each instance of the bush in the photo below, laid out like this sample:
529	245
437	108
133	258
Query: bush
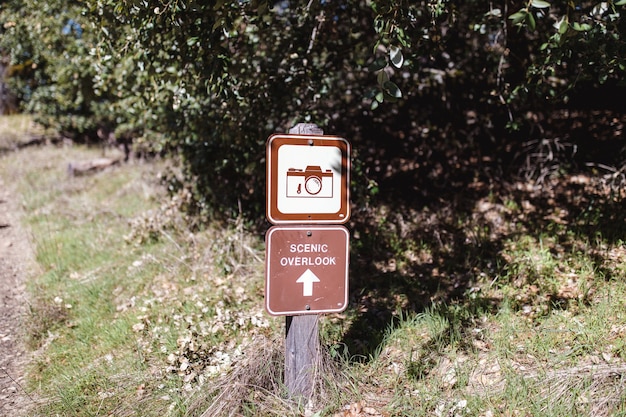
428	82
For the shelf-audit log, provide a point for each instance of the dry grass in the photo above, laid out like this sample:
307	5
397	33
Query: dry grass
254	386
600	389
596	390
43	316
18	131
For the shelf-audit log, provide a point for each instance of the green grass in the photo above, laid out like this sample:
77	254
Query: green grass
129	309
132	314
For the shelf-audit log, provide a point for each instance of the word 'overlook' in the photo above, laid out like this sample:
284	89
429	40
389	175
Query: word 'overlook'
308	261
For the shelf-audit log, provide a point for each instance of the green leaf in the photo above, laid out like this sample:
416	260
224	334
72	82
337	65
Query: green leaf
395	55
218	24
531	21
620	3
539	4
402	38
562	25
581	28
519	17
378	64
382	77
392	89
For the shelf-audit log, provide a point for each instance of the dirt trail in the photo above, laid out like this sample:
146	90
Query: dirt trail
16	263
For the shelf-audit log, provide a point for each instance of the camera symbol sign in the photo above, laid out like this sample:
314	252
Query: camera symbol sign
307	179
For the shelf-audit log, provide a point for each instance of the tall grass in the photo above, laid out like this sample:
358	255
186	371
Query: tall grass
17	130
133	314
131	310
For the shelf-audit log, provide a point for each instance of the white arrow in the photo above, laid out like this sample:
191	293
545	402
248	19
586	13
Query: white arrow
307	279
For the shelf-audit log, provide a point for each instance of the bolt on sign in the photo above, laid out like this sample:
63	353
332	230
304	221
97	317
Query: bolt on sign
306	269
308	179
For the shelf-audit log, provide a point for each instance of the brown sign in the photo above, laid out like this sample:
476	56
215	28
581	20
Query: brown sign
307	179
306	270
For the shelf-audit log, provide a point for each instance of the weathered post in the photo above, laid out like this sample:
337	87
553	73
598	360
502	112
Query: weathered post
301	332
306	129
307	249
302	354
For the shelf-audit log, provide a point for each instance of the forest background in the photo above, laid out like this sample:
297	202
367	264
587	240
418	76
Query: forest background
431	94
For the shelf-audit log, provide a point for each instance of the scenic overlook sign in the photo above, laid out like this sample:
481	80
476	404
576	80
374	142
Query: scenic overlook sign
307	179
306	269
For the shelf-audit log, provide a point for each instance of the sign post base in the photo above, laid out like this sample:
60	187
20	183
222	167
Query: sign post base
302	355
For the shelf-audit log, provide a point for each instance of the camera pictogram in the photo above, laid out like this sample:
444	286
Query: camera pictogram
310	182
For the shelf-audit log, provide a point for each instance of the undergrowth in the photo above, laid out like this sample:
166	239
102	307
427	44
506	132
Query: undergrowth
509	306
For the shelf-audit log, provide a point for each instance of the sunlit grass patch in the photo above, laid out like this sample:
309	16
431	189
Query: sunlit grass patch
127	292
546	272
16	131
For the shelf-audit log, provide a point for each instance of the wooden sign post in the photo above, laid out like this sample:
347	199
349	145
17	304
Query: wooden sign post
306	264
302	354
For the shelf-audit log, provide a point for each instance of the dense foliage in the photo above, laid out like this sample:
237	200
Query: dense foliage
433	89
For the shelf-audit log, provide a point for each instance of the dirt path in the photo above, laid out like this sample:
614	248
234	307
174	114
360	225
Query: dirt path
16	263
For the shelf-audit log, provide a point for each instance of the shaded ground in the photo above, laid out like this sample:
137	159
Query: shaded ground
16	260
439	245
